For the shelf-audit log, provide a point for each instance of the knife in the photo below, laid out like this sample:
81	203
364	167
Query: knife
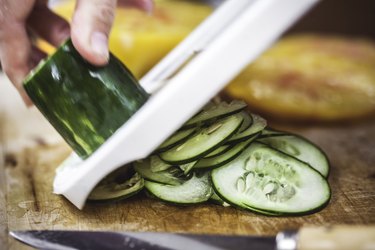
307	238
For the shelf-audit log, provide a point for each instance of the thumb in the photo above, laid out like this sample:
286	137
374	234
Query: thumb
91	25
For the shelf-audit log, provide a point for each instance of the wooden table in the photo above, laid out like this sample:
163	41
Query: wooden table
30	151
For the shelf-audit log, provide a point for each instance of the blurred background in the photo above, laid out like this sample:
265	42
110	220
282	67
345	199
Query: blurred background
322	70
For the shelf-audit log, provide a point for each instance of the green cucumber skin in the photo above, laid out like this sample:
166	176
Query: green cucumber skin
85	104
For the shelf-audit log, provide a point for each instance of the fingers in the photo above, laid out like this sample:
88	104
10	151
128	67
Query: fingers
15	50
91	25
48	25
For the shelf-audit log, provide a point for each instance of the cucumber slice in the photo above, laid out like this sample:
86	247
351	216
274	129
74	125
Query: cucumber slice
258	125
157	165
176	138
84	103
218	151
195	190
188	167
247	122
217	200
268	132
265	179
215	111
301	149
214	162
171	176
204	142
120	184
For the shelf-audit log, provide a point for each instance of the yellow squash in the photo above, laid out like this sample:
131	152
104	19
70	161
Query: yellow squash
311	77
139	39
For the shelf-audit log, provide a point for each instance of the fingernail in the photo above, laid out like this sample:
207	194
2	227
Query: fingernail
99	45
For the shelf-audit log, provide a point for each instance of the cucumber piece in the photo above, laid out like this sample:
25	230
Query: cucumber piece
265	179
268	132
120	184
214	112
257	126
188	167
204	142
214	162
218	151
217	200
176	138
247	122
84	103
157	165
171	176
195	190
300	148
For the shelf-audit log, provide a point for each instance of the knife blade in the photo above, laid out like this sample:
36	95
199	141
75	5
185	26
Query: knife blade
101	240
338	237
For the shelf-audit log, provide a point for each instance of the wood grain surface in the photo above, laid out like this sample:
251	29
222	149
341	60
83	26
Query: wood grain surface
31	150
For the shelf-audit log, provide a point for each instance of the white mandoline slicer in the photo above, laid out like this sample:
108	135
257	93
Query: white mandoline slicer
233	36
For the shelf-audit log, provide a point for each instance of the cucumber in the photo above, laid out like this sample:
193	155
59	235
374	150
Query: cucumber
265	179
268	132
186	168
195	190
232	161
247	122
171	176
214	162
257	126
120	184
84	103
217	200
157	165
175	139
301	149
204	142
220	150
214	112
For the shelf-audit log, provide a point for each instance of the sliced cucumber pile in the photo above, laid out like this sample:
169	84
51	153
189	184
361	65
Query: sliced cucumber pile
230	157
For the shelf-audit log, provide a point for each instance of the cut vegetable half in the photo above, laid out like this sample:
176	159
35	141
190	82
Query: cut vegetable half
85	104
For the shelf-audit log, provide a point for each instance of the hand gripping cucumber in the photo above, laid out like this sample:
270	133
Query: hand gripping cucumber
85	104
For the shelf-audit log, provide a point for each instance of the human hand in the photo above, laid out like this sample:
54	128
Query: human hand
91	24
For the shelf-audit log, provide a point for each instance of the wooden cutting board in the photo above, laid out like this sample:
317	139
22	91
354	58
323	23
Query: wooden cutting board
31	150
